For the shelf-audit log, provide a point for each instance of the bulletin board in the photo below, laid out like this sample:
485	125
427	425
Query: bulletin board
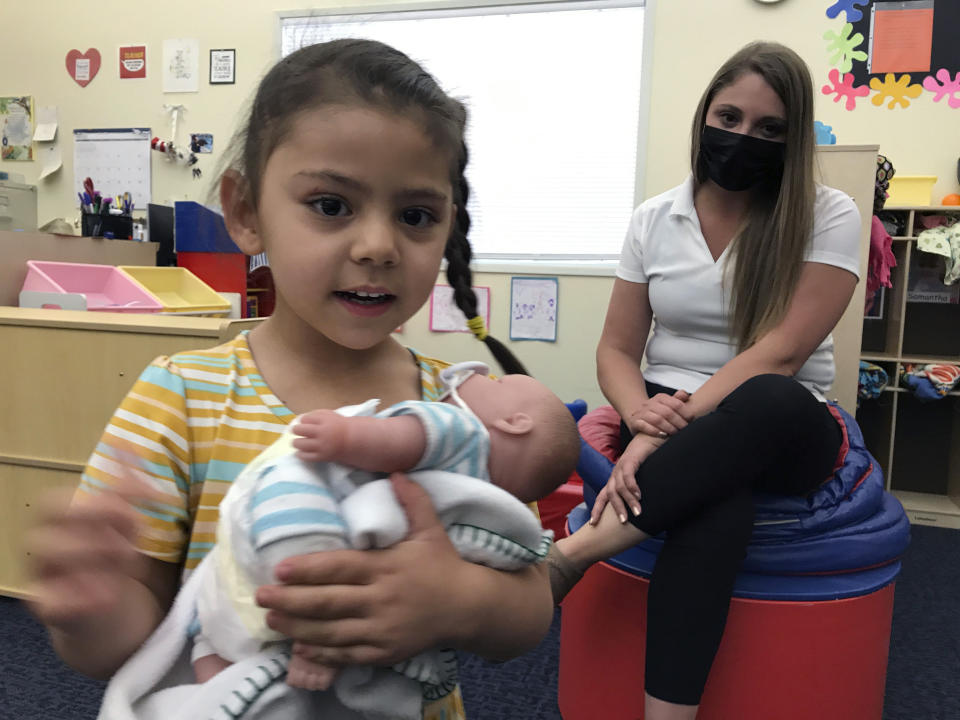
116	159
895	53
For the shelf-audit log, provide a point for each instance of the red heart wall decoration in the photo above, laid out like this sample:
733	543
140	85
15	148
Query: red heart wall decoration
83	67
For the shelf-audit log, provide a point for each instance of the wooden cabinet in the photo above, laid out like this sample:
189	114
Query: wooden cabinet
64	375
918	444
850	168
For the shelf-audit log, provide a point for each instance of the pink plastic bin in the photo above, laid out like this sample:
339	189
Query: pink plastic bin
105	288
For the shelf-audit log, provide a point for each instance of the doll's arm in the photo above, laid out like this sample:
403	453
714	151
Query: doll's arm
367	443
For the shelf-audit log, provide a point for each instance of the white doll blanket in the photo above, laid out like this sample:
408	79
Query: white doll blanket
486	525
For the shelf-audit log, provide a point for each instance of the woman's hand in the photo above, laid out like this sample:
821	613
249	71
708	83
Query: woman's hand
621	490
377	607
661	416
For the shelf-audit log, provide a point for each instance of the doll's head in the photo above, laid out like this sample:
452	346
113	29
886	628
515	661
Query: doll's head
534	443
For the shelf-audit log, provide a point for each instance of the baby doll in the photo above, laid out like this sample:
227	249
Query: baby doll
486	448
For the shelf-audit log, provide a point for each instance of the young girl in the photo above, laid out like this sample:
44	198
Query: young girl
351	179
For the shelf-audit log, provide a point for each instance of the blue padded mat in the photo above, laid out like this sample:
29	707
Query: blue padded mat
640	560
849	524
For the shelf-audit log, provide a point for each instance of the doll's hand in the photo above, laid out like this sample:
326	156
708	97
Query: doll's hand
322	436
621	490
661	416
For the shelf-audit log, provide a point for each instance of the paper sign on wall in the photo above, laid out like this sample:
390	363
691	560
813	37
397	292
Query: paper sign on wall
51	159
16	128
83	67
46	130
133	62
445	316
533	308
181	65
902	37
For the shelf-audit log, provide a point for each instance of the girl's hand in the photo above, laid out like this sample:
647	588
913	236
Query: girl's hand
376	607
621	490
82	555
660	416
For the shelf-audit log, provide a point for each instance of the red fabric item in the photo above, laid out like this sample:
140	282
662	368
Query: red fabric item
600	429
881	260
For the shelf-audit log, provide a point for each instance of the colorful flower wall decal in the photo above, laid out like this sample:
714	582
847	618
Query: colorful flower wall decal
844	89
849	7
897	89
946	88
824	133
844	47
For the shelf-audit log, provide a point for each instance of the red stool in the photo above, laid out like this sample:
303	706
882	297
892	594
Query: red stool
778	660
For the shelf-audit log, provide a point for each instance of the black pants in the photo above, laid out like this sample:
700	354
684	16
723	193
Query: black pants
771	435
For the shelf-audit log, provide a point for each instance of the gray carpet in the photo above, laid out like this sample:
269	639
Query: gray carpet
923	682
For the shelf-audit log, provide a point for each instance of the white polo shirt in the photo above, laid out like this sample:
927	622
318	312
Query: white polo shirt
691	339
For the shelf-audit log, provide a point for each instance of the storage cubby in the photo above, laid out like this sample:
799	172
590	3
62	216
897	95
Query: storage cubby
881	335
921	448
875	418
917	443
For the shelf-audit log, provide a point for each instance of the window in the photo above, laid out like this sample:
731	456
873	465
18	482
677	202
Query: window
553	94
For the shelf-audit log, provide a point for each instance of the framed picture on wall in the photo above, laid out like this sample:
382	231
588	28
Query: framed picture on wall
223	64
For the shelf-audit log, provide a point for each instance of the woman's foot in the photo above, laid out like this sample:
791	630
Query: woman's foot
570	557
563	574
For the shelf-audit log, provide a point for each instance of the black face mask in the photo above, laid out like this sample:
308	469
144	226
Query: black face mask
740	162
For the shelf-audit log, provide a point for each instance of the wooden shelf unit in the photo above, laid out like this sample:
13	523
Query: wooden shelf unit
917	444
70	370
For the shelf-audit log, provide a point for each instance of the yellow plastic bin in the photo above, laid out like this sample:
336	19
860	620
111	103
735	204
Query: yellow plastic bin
911	190
179	291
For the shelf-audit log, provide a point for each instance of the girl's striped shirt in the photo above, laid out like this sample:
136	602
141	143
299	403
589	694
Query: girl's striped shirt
191	423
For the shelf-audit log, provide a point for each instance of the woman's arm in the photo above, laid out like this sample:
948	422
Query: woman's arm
823	293
621	346
619	354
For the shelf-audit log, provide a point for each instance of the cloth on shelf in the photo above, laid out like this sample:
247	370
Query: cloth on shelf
931	221
873	379
943	240
881	260
930	382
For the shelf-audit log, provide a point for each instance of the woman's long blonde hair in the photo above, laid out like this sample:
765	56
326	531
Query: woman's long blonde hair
767	253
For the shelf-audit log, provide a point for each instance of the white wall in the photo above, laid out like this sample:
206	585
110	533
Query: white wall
691	38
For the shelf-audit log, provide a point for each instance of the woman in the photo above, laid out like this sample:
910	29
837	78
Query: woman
743	271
